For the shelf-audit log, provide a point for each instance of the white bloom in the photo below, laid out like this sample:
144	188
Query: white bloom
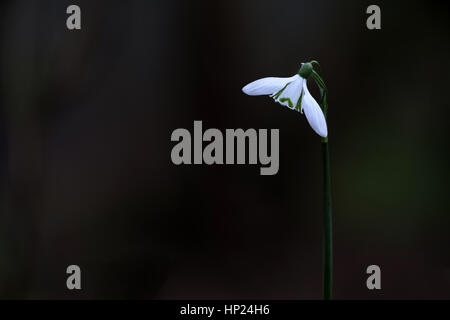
293	93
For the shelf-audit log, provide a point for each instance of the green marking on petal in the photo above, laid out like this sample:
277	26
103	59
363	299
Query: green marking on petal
298	106
290	104
276	95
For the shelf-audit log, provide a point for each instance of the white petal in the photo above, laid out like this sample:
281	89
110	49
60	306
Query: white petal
314	113
269	85
292	92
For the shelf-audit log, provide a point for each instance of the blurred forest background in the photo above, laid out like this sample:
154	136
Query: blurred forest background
85	170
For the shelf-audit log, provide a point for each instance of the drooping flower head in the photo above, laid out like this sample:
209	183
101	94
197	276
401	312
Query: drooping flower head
293	93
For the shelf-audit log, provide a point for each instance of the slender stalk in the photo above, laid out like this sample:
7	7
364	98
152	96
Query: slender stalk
327	218
327	225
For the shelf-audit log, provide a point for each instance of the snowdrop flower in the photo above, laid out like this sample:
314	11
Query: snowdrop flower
293	93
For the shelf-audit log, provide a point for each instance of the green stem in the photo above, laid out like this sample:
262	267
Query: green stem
327	225
327	218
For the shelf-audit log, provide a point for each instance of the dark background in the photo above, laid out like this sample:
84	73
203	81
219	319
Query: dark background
86	175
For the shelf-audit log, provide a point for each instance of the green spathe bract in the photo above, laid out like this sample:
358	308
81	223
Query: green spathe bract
305	70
